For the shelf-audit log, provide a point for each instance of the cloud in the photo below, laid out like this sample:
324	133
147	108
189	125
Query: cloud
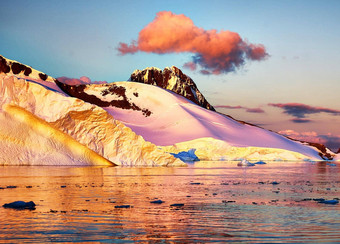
215	52
255	110
228	107
300	121
190	65
300	111
249	110
329	140
81	81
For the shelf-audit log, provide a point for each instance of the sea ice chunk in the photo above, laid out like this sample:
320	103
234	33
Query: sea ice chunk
245	162
20	205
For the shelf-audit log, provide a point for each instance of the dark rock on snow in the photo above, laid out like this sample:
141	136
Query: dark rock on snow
174	80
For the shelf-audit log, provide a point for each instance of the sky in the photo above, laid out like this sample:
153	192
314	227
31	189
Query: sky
270	63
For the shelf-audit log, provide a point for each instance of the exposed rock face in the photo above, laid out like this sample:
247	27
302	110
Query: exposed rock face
174	80
110	95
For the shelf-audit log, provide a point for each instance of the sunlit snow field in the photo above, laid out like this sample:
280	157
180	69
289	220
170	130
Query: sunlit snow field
216	201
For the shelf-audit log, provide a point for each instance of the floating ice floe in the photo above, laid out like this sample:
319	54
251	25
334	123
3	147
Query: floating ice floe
20	205
260	162
333	201
331	164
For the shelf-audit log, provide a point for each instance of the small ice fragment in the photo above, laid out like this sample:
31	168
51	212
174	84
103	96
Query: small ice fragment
123	206
177	205
331	164
20	205
157	201
245	162
334	201
11	187
260	162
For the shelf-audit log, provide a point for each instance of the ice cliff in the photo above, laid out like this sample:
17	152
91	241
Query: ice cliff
40	121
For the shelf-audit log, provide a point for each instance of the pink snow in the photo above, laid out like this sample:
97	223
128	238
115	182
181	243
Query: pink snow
175	119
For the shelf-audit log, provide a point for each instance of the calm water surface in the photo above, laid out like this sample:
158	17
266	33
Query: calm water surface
222	202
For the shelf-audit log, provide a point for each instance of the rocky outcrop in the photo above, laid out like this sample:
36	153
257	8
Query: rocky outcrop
11	67
117	94
174	80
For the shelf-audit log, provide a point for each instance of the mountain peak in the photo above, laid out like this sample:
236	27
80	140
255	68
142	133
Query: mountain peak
173	79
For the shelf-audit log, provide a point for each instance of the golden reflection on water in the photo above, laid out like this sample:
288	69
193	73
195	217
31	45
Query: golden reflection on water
221	202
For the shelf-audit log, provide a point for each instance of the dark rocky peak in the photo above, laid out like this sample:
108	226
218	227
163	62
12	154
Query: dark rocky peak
172	79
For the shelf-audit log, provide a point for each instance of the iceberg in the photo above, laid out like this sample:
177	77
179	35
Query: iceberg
68	120
188	156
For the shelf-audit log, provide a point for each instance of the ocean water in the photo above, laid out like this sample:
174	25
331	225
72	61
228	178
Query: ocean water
214	202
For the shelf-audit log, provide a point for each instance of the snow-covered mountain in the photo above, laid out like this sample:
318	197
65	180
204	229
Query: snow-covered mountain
40	124
175	123
131	123
172	79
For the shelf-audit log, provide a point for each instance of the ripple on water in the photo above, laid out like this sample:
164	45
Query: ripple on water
226	203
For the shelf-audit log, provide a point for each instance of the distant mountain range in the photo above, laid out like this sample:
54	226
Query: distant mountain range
143	121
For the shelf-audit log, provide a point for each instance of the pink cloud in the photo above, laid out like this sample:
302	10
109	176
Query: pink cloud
81	81
190	65
216	52
255	110
329	140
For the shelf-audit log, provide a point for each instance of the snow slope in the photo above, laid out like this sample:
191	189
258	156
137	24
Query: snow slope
165	118
86	123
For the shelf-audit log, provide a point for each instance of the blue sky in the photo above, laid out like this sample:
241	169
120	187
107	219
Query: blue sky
79	38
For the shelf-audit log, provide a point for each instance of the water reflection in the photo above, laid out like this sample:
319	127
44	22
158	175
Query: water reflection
222	201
